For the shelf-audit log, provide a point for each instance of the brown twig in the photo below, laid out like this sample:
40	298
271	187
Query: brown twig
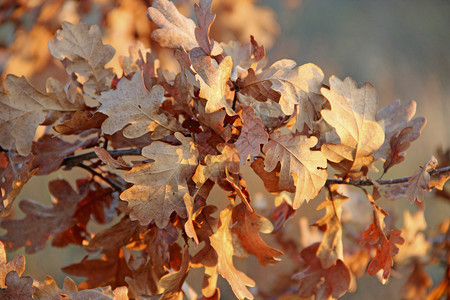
112	183
74	160
368	182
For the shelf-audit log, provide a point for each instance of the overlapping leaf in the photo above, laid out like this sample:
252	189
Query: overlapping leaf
252	135
221	241
300	166
323	283
295	88
24	108
247	226
159	187
133	107
15	171
40	221
175	29
353	115
331	248
85	56
213	81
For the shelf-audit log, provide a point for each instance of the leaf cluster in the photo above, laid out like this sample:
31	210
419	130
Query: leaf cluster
191	128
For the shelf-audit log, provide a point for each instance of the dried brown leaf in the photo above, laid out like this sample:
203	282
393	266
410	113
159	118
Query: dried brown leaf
300	167
108	270
221	242
175	29
252	135
323	283
159	187
353	115
297	89
396	118
49	290
15	171
213	81
17	265
420	181
85	56
133	107
80	121
49	152
216	165
204	20
40	222
105	157
331	248
247	226
20	288
173	282
24	108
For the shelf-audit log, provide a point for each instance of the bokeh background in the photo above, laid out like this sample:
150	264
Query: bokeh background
401	47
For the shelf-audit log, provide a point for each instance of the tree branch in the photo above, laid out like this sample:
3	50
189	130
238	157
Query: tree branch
368	182
74	160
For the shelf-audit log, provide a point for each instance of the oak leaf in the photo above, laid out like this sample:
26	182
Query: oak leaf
331	248
24	108
221	242
17	265
85	56
15	171
282	212
324	283
80	121
396	118
300	167
40	222
270	179
105	157
295	88
108	270
416	244
247	226
216	165
213	80
114	237
353	115
175	29
420	181
252	135
172	282
417	283
159	187
204	20
132	106
49	290
385	246
49	152
20	288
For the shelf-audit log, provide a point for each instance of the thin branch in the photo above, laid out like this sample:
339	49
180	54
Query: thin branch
74	160
368	182
112	183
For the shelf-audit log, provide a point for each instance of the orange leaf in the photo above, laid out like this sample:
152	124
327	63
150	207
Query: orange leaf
221	241
247	225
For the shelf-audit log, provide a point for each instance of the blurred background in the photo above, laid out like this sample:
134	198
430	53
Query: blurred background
401	47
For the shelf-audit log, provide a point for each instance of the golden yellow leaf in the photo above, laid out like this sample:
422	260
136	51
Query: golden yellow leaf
353	115
300	167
